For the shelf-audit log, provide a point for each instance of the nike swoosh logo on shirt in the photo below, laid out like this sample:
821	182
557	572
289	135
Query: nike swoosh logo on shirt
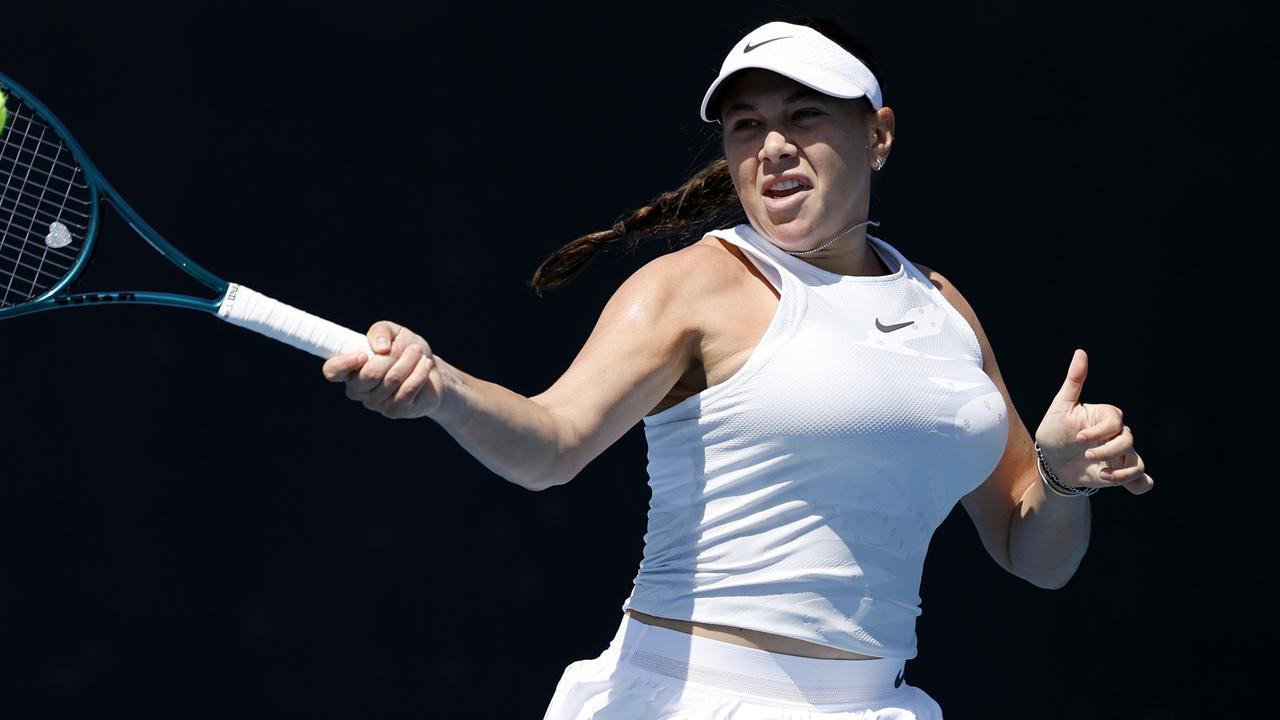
891	328
751	47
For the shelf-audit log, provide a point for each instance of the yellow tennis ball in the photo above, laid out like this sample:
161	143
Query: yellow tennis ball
4	111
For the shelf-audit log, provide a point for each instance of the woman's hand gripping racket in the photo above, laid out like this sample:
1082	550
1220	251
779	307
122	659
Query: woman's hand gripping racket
50	195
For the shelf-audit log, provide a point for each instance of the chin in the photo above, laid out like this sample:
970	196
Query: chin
793	234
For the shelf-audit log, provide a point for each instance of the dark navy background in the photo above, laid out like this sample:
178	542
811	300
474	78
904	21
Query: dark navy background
194	524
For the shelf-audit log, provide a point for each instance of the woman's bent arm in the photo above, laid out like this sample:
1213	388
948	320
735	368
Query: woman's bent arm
642	343
508	433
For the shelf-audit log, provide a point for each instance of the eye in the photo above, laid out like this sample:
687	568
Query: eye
744	124
806	113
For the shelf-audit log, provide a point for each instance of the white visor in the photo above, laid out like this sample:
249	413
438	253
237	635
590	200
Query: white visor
802	54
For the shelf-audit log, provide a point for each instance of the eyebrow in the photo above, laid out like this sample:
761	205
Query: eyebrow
800	94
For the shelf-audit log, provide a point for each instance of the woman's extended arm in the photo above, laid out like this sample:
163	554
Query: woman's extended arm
641	344
1030	531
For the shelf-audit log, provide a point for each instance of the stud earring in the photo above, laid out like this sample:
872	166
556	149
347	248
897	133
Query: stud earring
879	163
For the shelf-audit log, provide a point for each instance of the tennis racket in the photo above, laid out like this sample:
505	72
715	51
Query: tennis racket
51	197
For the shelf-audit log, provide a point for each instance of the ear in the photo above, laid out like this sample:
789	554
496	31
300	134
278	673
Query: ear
882	124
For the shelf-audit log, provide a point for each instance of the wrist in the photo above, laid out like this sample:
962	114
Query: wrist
1053	484
449	384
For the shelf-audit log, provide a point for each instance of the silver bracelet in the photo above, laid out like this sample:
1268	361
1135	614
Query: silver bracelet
1052	482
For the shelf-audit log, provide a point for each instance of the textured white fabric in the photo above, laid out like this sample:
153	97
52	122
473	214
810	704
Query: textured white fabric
798	496
252	310
802	54
652	673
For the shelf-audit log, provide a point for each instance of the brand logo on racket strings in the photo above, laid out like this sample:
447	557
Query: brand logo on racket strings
83	298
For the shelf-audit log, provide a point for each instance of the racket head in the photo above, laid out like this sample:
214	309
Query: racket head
50	205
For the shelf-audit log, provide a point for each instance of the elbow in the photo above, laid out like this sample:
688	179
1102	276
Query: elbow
1049	583
542	484
1050	578
1046	551
548	480
535	483
559	454
531	477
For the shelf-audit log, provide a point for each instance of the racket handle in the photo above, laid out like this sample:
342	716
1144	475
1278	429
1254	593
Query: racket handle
251	309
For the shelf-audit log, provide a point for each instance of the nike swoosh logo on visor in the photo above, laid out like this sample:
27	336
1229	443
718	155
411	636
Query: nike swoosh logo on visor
891	328
751	47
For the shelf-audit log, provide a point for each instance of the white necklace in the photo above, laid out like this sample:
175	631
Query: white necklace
833	240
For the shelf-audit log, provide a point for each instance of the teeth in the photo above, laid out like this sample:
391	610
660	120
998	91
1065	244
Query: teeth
786	185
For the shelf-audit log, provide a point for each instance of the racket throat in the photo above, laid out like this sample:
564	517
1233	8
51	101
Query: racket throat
95	298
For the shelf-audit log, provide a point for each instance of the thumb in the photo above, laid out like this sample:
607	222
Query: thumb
381	334
1069	395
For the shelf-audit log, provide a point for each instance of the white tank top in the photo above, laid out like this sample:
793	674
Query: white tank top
798	496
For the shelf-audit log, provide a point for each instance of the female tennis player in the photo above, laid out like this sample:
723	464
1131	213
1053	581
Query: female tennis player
814	403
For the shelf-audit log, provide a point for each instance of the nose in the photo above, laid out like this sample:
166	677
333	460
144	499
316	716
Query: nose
776	147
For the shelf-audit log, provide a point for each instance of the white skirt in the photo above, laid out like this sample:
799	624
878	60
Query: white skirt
653	673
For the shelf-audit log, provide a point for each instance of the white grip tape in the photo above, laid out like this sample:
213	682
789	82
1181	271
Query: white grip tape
251	309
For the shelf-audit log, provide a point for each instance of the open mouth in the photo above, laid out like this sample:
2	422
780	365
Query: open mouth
787	188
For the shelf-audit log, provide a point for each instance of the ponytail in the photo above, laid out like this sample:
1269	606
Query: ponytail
707	201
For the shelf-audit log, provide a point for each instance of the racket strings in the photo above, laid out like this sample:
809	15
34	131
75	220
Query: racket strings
24	198
45	206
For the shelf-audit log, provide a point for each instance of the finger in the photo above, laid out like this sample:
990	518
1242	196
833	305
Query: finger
396	375
1110	423
1113	450
1140	484
1120	474
1069	394
411	388
381	334
369	377
406	338
339	367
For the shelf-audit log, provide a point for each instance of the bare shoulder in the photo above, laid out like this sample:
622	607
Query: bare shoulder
956	298
704	265
940	281
647	336
958	301
680	282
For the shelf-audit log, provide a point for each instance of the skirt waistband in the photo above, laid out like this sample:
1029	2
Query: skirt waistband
750	671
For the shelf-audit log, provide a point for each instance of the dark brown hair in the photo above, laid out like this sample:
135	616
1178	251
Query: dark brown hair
681	216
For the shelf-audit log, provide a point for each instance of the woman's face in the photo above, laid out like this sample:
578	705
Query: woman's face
799	158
